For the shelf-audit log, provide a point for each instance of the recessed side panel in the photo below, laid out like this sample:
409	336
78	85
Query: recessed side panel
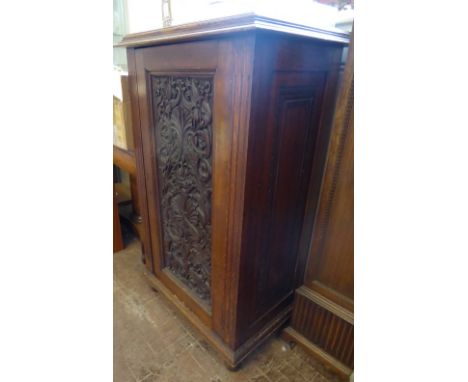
291	96
282	150
183	132
290	164
294	121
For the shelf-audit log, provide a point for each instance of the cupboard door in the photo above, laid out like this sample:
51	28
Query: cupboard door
176	99
194	100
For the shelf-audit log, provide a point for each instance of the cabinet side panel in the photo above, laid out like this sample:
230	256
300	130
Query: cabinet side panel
289	103
293	124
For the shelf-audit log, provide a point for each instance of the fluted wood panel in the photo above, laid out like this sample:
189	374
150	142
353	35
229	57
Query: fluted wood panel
325	329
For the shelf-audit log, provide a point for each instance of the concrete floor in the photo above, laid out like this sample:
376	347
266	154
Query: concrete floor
151	343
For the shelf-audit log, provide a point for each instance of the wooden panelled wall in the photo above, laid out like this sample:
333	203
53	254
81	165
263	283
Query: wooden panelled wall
323	310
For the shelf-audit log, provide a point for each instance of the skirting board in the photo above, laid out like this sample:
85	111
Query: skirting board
231	358
324	323
289	334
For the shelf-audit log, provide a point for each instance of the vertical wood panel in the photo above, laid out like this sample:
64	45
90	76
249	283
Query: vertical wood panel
323	319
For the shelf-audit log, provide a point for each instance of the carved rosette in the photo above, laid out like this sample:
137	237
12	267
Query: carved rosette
182	108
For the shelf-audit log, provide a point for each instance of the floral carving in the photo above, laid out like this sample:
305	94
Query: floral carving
182	109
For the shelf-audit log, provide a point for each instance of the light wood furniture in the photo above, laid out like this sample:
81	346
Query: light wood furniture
231	119
117	230
124	159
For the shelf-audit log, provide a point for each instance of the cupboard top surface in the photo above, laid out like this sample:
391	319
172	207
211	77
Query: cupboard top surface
231	24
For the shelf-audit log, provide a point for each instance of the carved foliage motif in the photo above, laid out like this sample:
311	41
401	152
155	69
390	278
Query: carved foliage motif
182	108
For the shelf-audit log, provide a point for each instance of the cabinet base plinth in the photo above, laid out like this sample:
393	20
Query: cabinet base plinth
231	358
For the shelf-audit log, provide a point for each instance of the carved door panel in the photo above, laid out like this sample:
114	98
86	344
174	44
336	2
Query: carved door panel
182	122
193	102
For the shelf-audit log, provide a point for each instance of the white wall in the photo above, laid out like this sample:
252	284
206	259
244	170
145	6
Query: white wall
144	15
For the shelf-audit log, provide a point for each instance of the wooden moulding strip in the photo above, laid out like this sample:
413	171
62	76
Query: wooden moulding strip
327	304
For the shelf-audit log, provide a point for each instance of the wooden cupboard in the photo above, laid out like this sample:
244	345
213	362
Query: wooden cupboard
231	119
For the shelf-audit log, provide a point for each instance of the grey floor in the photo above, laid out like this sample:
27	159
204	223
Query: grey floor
151	343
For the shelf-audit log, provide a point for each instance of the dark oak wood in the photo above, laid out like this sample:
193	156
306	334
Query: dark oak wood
230	120
325	325
323	318
182	106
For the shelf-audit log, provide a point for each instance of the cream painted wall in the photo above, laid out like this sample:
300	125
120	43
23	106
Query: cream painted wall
144	15
132	16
